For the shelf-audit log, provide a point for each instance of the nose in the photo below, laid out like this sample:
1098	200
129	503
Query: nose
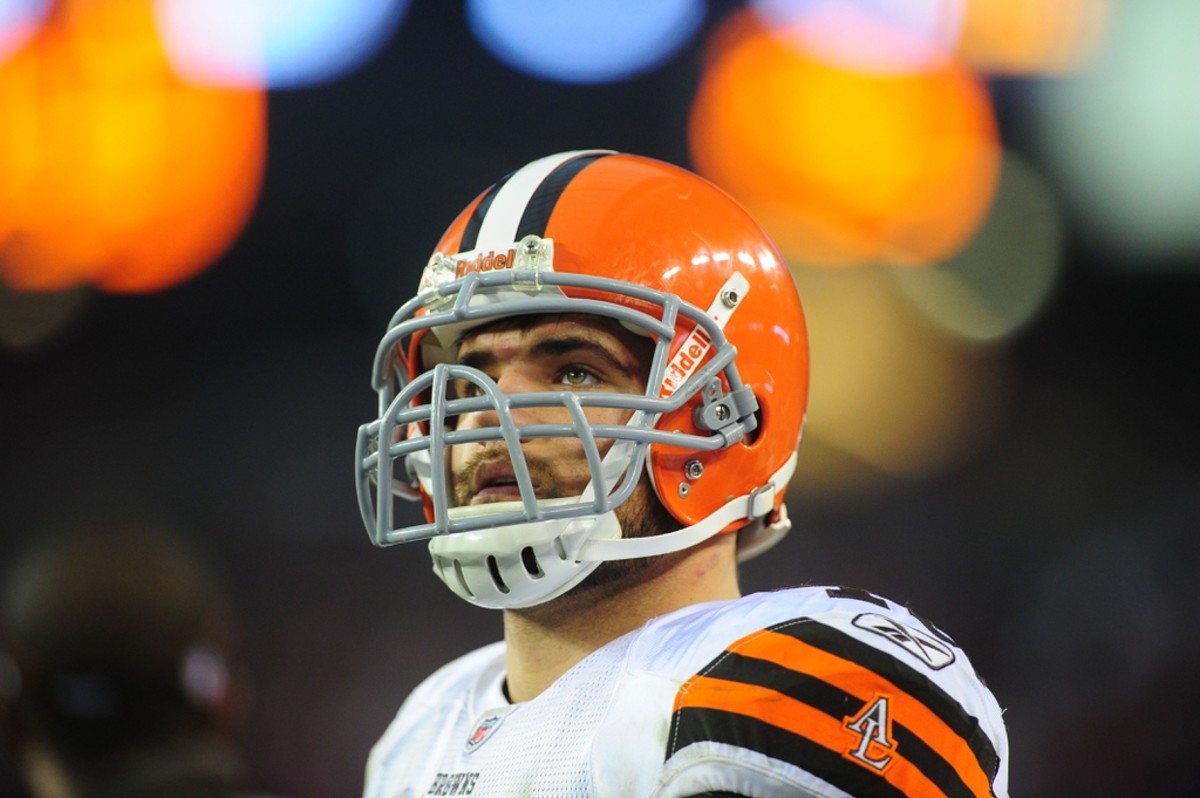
511	379
515	379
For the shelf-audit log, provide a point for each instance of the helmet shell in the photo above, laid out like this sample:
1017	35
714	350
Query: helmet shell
649	223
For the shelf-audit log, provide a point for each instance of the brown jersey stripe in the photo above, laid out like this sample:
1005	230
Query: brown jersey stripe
838	704
909	694
695	725
798	719
844	647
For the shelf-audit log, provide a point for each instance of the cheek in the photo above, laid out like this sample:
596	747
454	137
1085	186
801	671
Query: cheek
460	455
601	416
563	455
608	415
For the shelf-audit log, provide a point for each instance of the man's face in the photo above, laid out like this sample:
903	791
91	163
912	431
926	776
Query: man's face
559	352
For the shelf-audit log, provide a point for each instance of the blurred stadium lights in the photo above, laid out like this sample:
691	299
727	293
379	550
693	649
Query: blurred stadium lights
19	19
895	395
859	131
584	41
274	43
116	172
1032	37
28	319
842	166
1123	140
1005	276
868	35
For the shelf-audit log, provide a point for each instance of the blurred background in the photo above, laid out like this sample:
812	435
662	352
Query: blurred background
210	208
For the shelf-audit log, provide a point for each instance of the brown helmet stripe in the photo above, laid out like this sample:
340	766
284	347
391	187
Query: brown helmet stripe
471	231
541	204
522	202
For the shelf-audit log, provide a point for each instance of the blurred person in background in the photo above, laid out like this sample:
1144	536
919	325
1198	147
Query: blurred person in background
597	396
117	670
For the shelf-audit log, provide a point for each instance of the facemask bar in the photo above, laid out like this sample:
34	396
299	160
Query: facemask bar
427	452
417	431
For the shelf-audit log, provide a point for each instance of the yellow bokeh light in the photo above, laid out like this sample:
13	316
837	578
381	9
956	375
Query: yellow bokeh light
844	167
116	172
1032	37
890	392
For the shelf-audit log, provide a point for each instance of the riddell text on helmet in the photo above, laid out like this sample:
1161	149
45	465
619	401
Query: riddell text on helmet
490	262
684	363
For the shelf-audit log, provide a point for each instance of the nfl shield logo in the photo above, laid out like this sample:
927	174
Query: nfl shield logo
483	730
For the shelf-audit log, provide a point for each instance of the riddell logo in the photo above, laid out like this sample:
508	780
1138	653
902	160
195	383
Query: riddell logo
686	359
490	262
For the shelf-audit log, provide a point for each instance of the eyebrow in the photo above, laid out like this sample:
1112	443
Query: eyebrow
553	348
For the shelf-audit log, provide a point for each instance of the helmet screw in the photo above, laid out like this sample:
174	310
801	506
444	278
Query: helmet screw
684	490
730	298
693	469
532	244
721	412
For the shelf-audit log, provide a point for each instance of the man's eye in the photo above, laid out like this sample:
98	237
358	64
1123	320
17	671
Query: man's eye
464	389
576	376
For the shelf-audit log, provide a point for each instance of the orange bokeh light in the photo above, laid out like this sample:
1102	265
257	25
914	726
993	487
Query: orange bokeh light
841	166
116	173
1032	37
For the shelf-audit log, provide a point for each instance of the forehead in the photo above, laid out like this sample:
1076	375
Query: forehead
533	328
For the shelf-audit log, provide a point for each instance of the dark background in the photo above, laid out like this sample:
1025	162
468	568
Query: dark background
1063	556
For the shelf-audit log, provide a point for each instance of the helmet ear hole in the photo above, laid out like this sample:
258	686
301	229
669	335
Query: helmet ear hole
753	435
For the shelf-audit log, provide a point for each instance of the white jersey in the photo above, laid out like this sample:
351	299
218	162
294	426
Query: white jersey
811	691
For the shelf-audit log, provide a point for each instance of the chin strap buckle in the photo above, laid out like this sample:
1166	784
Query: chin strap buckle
761	501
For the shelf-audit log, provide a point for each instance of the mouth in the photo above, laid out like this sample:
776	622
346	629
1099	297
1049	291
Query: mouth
495	482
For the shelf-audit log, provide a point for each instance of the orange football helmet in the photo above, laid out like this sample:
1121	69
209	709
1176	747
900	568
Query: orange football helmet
663	252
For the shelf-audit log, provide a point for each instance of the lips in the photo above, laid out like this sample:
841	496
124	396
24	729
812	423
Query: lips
494	481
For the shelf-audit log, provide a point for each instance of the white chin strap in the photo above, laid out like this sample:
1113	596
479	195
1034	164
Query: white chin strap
522	565
754	505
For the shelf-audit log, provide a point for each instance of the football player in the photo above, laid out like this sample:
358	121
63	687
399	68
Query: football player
597	395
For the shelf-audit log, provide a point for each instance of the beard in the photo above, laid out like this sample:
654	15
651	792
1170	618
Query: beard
641	515
546	484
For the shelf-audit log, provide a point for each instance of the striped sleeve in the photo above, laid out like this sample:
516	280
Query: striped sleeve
809	694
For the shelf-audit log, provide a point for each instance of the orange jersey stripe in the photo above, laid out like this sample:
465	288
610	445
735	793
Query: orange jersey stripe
770	706
863	683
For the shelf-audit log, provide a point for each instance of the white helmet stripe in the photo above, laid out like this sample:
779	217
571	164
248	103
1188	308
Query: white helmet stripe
503	218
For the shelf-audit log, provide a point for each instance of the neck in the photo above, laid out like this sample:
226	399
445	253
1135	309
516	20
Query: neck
546	641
